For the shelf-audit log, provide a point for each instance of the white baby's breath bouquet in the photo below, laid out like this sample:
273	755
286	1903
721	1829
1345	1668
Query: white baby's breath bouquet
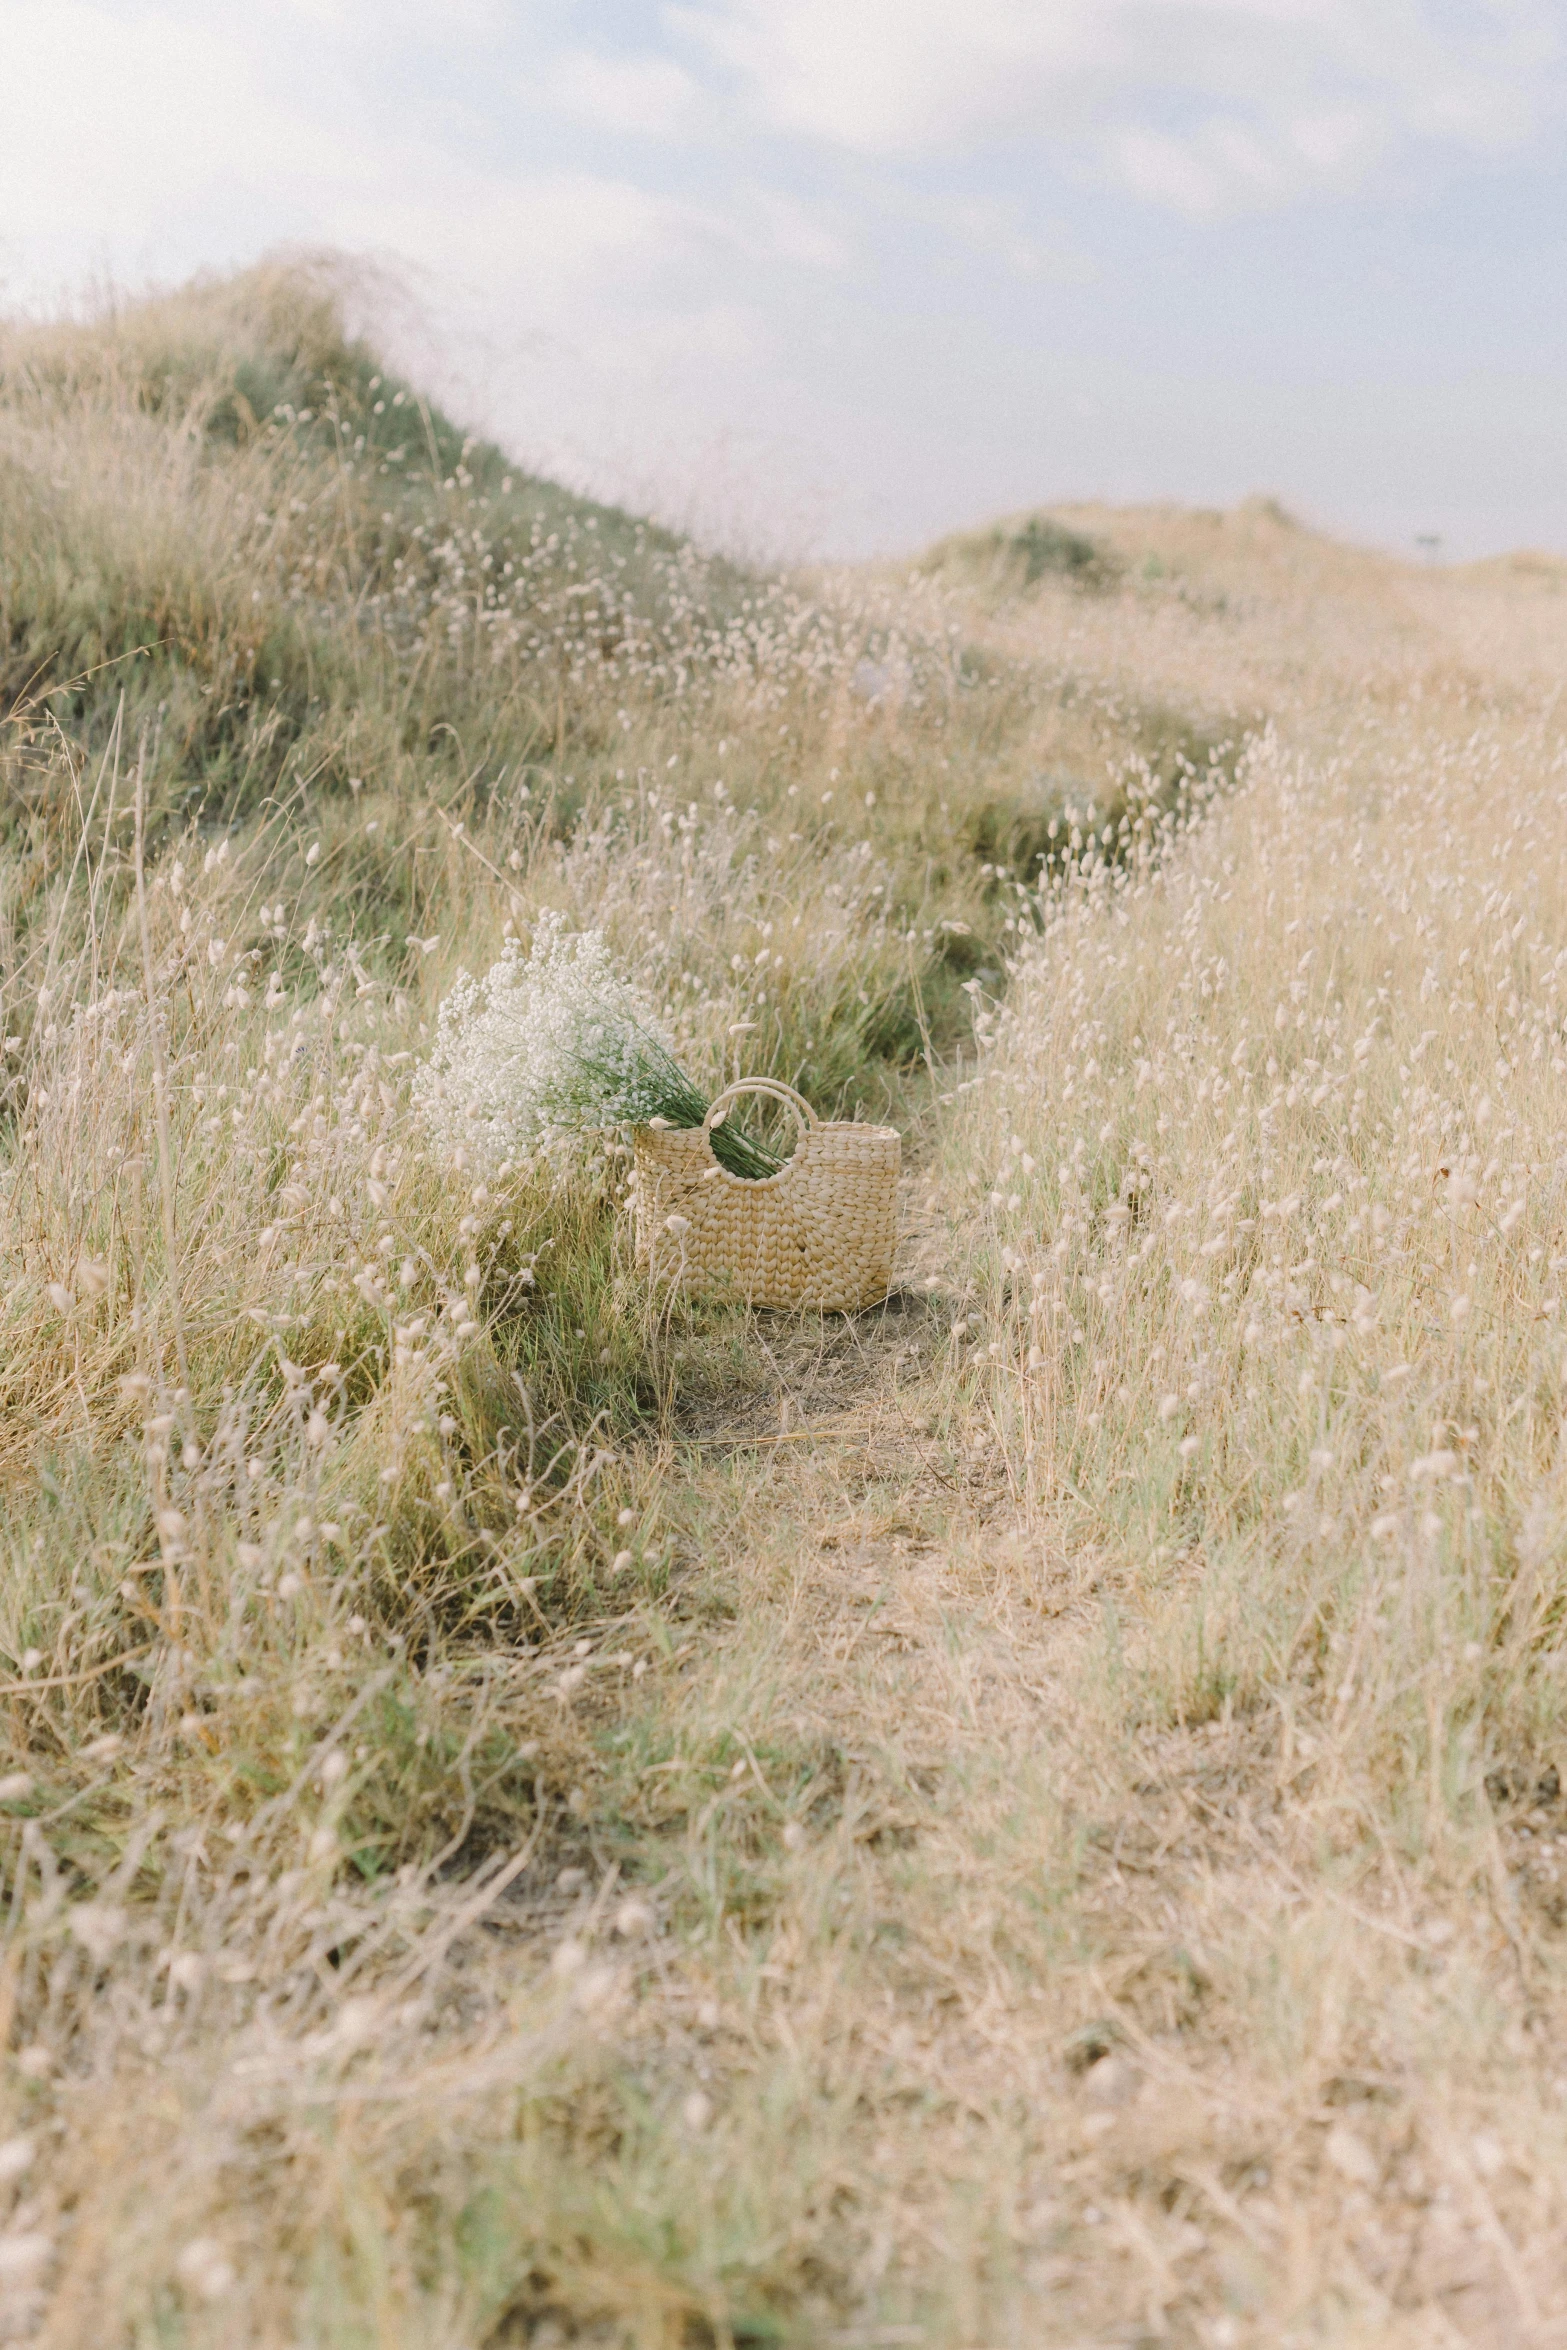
557	1042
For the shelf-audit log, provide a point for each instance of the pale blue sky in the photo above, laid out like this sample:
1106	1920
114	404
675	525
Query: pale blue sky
839	274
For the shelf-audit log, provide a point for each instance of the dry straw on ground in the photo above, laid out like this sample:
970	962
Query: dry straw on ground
532	1814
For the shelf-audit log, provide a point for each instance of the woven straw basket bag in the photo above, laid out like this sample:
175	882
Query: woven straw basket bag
820	1233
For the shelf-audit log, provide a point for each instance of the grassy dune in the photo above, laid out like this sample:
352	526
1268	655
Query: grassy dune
531	1815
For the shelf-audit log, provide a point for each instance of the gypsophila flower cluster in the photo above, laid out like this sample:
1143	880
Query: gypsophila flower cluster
553	1042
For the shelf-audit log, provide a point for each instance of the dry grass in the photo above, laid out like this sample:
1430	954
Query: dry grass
1028	1816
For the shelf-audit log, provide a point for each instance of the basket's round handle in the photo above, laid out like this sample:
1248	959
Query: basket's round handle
805	1116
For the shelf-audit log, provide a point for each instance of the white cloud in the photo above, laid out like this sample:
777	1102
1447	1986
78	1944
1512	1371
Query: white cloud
652	95
879	76
560	241
797	233
1206	105
129	124
382	21
147	127
998	228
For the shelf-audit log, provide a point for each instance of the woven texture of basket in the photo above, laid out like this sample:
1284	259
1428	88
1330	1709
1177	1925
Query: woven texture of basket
820	1233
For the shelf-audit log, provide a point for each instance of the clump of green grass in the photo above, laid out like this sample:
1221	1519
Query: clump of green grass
1011	558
